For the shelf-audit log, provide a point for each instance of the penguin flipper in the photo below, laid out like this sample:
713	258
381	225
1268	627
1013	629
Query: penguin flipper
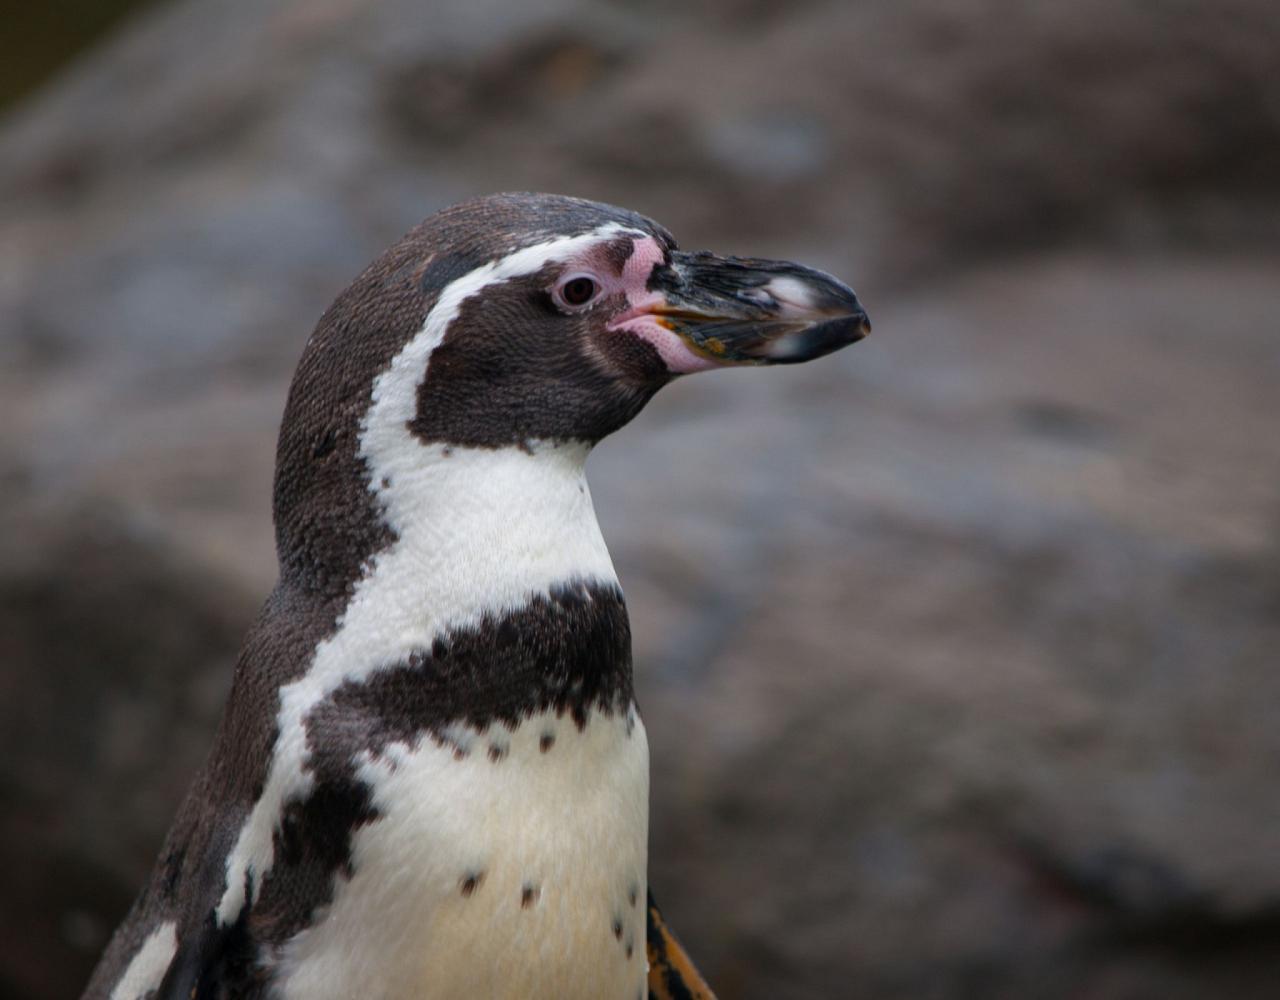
672	974
210	964
208	960
189	975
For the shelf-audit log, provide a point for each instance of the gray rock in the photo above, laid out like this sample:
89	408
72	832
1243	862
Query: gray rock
117	653
957	650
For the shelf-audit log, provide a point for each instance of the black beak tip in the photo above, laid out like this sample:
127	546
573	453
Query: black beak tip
818	339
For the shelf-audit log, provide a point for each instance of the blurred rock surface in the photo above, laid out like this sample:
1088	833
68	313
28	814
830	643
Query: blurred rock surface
957	650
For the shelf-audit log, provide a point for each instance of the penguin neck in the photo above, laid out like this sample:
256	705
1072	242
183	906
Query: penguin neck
480	532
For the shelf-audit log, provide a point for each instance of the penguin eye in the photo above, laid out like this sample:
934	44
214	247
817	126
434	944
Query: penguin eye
578	291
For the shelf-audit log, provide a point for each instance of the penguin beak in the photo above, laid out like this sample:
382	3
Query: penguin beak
738	310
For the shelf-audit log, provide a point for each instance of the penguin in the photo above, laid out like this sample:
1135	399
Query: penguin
431	779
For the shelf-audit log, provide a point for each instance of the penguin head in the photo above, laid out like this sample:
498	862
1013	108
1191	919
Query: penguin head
516	320
558	319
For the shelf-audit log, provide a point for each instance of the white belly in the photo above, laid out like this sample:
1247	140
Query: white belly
522	876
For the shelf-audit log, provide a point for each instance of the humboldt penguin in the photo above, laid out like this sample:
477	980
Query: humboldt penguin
431	780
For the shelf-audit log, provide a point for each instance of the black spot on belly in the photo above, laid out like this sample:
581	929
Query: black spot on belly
529	895
617	928
496	753
547	742
470	882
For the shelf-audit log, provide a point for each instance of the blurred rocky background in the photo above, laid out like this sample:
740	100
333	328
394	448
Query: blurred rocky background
958	650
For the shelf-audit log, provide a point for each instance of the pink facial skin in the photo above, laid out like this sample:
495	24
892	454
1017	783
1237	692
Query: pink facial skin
638	318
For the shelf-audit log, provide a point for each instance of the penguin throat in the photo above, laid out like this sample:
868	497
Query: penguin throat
482	531
497	525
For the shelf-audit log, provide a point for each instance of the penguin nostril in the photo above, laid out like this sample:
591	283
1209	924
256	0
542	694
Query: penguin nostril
758	297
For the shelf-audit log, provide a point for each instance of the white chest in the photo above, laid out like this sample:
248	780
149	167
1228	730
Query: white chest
505	864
